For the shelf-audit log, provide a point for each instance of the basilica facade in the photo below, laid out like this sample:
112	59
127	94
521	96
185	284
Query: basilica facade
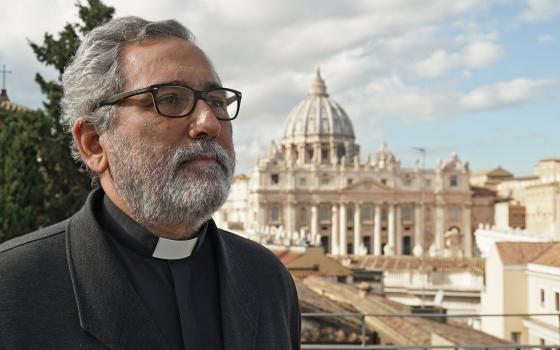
314	186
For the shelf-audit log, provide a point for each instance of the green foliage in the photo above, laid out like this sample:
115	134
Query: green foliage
39	182
21	178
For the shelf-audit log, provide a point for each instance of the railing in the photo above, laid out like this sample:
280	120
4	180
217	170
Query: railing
429	347
363	345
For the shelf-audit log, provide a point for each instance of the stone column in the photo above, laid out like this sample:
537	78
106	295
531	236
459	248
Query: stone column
357	228
291	219
343	231
314	223
467	234
440	230
334	158
334	226
301	154
317	153
418	231
390	247
376	241
261	216
398	242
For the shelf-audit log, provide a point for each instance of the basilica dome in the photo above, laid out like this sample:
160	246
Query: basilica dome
317	117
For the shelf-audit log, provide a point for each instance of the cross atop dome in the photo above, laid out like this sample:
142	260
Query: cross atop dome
318	88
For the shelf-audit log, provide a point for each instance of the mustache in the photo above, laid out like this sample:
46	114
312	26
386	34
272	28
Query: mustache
202	148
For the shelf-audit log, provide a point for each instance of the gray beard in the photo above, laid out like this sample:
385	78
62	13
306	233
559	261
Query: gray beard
160	189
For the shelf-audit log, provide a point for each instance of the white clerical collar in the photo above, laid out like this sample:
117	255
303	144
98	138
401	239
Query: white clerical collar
171	250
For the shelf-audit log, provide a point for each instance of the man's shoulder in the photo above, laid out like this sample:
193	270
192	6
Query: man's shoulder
255	256
30	241
246	246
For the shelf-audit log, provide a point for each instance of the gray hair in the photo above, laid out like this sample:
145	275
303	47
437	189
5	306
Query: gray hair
95	71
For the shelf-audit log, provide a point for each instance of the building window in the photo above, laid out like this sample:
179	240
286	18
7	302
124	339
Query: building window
274	213
367	213
324	213
275	179
557	301
407	181
516	337
543	297
340	150
325	179
309	156
302	181
407	245
384	181
427	183
407	213
349	181
324	155
454	213
349	215
453	181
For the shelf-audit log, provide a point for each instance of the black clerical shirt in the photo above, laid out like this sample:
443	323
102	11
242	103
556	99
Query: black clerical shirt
180	290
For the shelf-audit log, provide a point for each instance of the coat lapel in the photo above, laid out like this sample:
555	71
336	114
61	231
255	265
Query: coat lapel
108	306
237	299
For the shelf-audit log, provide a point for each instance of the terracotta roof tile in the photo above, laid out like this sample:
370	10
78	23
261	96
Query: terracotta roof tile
521	252
549	257
400	330
400	263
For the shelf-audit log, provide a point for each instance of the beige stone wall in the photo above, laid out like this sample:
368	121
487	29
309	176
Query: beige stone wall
546	278
492	298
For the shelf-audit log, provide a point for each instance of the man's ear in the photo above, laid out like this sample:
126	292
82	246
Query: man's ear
91	150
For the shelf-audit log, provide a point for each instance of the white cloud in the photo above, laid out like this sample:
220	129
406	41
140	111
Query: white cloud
545	39
505	93
475	55
541	10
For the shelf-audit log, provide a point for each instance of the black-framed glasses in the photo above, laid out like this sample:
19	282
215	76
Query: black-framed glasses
176	101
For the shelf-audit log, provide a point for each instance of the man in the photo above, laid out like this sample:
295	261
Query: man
142	265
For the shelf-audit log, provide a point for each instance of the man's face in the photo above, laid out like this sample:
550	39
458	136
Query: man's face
169	171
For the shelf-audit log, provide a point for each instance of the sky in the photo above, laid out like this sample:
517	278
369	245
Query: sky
476	77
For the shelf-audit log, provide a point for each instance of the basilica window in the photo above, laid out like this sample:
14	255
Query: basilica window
453	181
309	157
367	213
275	179
274	213
407	214
407	181
384	181
324	213
454	213
349	181
340	150
324	155
325	179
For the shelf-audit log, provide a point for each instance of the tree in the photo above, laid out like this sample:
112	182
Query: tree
39	181
65	187
21	181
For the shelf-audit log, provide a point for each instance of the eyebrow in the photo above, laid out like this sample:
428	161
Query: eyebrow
209	85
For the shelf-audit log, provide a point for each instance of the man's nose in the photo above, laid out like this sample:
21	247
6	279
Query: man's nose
204	123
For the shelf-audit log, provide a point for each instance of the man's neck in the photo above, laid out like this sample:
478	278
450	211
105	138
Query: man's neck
169	231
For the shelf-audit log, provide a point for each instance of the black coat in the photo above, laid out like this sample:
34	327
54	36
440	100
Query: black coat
62	288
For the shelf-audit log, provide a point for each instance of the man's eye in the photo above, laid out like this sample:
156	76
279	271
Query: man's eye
217	102
168	99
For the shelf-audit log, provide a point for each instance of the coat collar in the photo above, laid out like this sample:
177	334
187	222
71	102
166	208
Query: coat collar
109	307
238	300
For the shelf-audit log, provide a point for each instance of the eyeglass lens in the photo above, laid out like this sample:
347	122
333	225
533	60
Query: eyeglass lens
176	101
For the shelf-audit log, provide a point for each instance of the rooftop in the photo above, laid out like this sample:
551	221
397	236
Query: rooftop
512	253
397	263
